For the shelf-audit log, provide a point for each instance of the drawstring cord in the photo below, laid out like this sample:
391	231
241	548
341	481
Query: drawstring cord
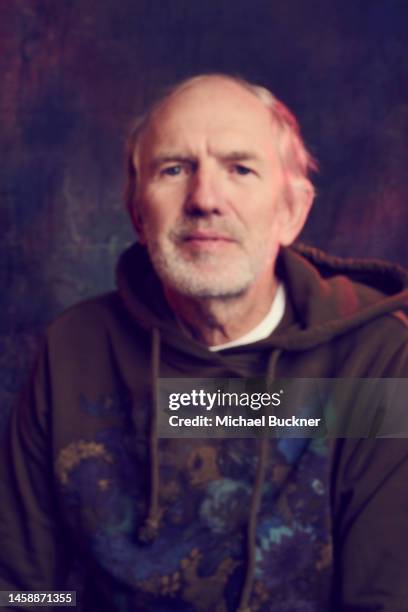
251	530
255	505
150	529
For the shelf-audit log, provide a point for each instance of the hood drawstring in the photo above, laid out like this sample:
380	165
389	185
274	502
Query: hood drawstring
255	504
148	532
150	529
251	528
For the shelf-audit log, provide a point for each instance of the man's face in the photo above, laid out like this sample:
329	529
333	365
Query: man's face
211	206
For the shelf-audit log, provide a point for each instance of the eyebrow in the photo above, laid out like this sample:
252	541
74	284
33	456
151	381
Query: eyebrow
231	156
160	160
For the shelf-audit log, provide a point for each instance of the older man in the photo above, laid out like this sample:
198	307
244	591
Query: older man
218	189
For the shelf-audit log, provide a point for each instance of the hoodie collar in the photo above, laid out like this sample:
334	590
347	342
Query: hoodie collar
332	295
329	295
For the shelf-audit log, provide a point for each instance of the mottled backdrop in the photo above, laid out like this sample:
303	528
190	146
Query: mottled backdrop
74	72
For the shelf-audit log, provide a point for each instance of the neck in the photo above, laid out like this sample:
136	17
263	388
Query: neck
213	321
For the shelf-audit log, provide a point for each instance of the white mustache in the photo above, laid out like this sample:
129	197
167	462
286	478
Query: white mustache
183	230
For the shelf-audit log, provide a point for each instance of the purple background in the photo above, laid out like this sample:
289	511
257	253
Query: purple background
74	73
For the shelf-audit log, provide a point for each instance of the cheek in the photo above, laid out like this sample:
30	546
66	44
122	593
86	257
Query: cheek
159	210
264	213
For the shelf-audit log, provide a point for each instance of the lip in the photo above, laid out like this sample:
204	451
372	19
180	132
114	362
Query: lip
203	236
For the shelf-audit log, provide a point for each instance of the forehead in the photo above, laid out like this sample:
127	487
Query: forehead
212	113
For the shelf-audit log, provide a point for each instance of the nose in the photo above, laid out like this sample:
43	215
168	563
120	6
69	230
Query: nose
204	195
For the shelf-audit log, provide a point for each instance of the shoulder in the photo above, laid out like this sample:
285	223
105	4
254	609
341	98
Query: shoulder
378	347
95	312
391	325
88	324
390	328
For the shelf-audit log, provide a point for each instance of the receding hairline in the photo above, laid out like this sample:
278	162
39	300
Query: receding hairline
293	153
196	81
259	94
189	84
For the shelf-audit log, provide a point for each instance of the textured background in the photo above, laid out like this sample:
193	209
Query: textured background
74	72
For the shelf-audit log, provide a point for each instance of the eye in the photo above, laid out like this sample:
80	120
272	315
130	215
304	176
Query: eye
241	170
174	170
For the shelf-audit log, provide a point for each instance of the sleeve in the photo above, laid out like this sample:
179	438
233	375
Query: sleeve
371	520
34	552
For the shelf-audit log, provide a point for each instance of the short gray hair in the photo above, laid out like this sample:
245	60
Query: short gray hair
297	162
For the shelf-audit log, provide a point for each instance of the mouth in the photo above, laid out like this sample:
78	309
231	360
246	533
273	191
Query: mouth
203	237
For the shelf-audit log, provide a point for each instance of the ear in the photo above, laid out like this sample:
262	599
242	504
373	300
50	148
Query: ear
297	204
132	194
137	223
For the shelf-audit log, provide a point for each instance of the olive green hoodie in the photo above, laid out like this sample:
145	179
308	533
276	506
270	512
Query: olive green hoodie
287	525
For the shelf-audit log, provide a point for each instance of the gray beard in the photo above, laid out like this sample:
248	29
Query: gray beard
185	277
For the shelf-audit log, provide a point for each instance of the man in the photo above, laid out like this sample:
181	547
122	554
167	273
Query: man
218	190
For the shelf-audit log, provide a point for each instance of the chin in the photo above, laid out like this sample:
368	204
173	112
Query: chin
204	292
205	277
199	281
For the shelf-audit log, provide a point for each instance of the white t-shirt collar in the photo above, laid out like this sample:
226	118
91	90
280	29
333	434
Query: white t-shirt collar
264	329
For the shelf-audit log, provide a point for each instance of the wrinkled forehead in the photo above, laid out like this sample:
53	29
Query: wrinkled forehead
214	107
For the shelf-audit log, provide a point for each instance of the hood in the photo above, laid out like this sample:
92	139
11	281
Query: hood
329	295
